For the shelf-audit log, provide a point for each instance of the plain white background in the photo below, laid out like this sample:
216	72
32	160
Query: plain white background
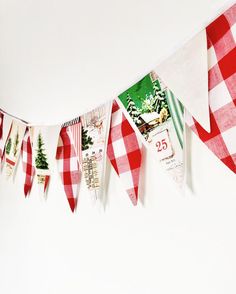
57	59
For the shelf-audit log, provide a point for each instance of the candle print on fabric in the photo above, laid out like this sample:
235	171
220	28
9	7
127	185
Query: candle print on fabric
95	129
158	115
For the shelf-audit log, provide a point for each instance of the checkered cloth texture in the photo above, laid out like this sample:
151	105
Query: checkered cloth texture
68	167
221	36
27	162
125	152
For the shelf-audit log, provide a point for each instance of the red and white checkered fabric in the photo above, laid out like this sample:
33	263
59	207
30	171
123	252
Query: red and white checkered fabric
221	37
68	167
27	162
125	152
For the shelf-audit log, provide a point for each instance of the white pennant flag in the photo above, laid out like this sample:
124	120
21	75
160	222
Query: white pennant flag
185	73
13	146
5	125
44	145
95	130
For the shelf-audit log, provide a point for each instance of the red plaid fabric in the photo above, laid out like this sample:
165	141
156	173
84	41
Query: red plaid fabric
124	152
27	162
68	167
221	36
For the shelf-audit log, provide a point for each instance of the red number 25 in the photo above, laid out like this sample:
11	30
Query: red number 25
161	145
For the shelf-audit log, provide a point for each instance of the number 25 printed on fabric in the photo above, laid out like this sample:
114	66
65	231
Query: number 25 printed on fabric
163	145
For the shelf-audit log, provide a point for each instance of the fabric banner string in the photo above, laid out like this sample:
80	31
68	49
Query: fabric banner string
195	86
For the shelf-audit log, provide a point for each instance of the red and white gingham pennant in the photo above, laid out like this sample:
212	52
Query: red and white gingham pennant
221	36
125	152
27	162
68	167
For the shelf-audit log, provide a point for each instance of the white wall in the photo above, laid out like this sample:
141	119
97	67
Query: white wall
57	58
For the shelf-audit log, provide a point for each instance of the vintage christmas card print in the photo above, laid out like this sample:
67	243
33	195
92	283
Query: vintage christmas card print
5	126
13	146
158	115
44	140
95	129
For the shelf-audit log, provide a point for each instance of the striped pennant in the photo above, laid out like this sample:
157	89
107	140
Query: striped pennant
76	134
177	114
71	122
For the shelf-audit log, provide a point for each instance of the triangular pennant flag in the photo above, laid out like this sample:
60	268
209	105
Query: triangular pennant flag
158	115
5	126
76	136
125	152
185	73
1	132
13	146
95	129
27	162
44	141
68	167
220	140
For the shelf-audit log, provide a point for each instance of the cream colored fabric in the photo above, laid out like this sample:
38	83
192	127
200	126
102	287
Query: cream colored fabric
186	74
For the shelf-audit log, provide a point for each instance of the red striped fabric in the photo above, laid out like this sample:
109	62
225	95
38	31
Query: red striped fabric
76	134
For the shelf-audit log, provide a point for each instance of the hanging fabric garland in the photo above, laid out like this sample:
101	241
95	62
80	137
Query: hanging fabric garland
148	113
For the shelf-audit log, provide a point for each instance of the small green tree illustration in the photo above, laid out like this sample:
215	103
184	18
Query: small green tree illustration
8	146
133	111
41	158
86	140
16	143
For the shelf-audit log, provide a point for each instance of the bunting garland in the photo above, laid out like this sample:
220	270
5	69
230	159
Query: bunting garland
147	114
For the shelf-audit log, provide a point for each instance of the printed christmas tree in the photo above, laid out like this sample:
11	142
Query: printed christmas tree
41	158
16	143
8	146
133	111
86	140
